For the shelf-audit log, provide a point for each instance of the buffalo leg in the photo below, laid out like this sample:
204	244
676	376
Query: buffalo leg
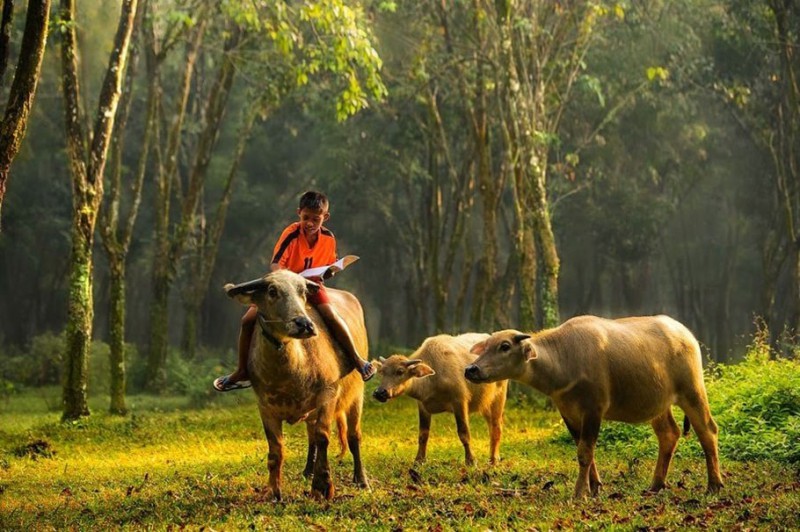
424	433
495	422
590	428
354	443
462	426
274	434
322	484
312	451
668	434
696	408
594	477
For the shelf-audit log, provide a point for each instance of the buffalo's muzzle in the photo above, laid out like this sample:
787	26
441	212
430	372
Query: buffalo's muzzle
473	373
381	395
305	327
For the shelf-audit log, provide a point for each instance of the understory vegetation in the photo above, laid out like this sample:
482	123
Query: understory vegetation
173	463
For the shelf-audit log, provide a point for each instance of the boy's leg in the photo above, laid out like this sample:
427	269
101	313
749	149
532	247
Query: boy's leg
238	379
342	334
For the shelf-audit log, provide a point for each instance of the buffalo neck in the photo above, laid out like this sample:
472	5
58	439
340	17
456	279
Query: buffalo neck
545	372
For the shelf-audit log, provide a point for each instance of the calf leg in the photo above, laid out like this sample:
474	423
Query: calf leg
424	432
495	422
696	408
274	434
668	434
461	413
354	443
590	428
594	477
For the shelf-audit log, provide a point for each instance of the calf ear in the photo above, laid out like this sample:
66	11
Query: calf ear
312	287
529	351
421	370
242	297
478	348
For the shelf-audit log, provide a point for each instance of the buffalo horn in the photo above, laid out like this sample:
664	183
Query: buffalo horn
249	286
410	363
520	337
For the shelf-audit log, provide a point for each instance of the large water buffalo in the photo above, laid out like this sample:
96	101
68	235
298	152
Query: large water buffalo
631	369
299	373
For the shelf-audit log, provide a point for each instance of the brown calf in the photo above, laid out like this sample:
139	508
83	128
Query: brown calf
630	370
433	375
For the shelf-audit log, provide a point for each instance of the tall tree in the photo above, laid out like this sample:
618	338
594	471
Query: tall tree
87	159
118	216
758	76
26	77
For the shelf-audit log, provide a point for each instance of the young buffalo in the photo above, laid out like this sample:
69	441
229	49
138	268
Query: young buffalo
433	375
631	370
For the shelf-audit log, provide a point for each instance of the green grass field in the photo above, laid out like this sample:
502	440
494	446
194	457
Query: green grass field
167	466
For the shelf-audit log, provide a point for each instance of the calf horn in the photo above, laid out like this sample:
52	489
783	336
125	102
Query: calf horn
249	286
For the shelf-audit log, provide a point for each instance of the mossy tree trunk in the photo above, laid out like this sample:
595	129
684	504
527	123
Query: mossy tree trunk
87	158
26	78
116	227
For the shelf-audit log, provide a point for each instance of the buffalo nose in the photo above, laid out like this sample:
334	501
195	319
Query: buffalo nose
304	324
381	395
472	372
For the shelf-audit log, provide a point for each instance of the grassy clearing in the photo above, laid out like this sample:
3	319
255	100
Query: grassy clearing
169	466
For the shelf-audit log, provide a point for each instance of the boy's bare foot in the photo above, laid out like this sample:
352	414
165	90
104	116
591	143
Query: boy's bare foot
229	383
367	370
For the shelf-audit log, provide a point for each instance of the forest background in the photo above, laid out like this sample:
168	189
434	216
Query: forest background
506	164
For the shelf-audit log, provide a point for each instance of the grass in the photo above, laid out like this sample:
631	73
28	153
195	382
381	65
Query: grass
168	466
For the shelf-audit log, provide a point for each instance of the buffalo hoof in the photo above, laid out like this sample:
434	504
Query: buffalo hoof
714	487
322	489
276	496
308	472
361	481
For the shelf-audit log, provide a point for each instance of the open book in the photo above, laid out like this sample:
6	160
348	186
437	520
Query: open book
326	272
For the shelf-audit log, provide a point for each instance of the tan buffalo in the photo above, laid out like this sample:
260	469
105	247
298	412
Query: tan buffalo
300	374
630	370
433	375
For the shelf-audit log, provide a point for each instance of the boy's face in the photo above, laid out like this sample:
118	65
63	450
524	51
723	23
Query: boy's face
312	219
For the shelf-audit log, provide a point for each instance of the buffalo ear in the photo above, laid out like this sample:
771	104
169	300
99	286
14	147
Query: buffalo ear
242	297
478	348
421	370
529	351
312	287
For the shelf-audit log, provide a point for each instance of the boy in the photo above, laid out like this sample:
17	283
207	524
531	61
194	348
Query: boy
303	245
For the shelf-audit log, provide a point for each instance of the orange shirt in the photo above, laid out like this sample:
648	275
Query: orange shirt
292	251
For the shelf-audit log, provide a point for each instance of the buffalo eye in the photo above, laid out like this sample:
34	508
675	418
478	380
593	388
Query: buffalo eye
399	371
505	346
273	292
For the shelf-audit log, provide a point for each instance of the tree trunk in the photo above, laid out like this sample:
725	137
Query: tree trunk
546	241
165	271
87	161
23	88
78	334
207	252
116	328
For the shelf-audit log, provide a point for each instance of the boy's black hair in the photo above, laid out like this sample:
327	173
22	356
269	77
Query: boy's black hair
316	201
